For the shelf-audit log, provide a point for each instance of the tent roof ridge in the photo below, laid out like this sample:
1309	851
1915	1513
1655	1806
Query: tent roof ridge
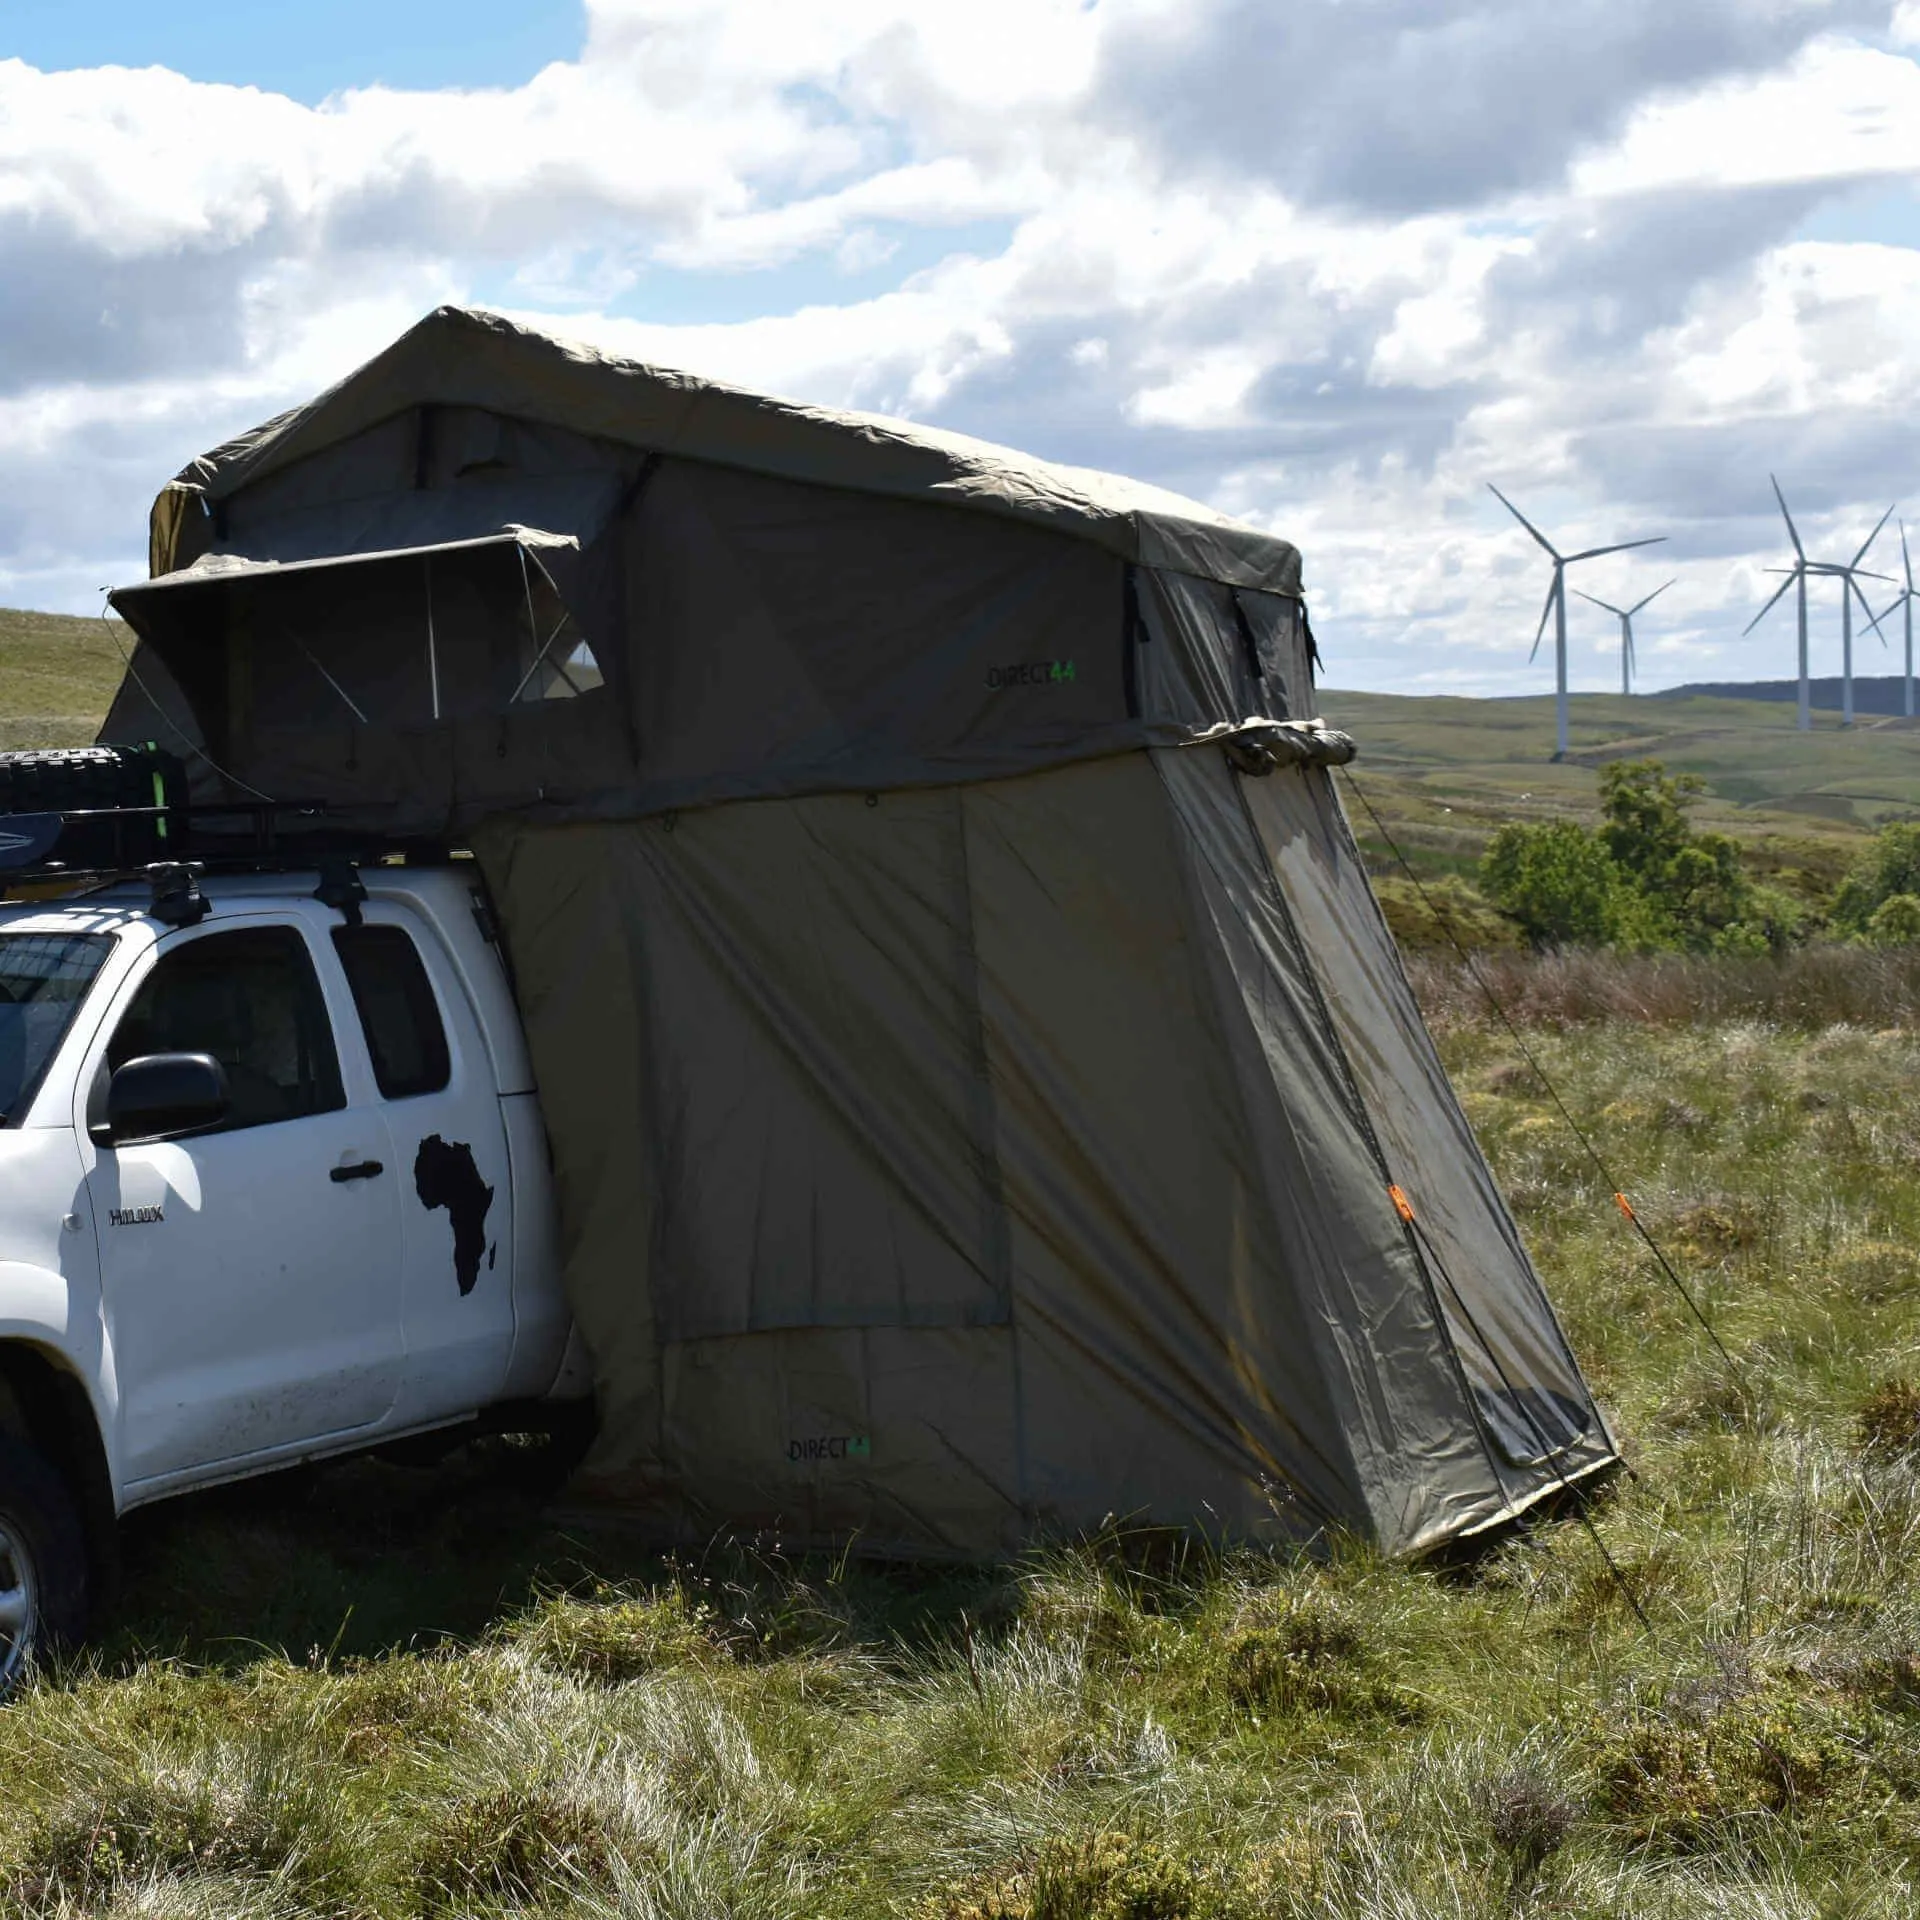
470	356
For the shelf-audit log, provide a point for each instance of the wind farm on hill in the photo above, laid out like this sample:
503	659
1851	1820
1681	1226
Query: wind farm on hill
1849	573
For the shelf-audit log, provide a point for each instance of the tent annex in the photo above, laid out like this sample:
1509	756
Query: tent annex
985	1099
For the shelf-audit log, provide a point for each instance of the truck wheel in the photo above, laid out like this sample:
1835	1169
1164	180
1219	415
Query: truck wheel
43	1564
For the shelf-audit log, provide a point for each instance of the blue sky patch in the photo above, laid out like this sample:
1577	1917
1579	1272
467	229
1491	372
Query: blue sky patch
306	52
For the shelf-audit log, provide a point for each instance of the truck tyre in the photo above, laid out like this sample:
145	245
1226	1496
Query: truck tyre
43	1564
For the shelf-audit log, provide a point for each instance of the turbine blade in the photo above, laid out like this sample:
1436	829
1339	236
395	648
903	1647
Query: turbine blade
1654	595
1539	632
1793	532
1872	621
1624	546
1905	556
1871	538
1521	517
1768	608
1608	604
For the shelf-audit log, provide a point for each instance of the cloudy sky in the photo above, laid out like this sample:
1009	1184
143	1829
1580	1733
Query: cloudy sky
1332	265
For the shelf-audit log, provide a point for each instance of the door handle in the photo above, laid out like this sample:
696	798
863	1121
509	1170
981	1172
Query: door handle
360	1170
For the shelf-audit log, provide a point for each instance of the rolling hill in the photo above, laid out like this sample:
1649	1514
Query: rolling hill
1452	770
57	676
1873	693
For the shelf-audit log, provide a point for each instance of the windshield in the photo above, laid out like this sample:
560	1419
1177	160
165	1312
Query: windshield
43	979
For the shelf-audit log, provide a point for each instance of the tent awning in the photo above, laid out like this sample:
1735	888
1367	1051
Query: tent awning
394	638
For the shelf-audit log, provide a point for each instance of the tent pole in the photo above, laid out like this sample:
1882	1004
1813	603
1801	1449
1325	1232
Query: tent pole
433	657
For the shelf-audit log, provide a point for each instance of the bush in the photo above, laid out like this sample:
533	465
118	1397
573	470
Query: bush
1644	879
1695	890
1888	869
1895	922
1689	1777
1558	882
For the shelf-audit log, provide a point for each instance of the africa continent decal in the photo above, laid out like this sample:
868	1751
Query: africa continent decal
444	1176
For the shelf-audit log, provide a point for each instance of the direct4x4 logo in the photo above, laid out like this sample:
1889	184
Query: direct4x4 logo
829	1446
1031	673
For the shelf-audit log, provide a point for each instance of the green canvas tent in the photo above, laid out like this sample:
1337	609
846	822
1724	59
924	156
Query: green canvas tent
985	1100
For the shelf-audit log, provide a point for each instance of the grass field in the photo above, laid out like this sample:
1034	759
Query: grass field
57	677
378	1691
387	1693
1753	759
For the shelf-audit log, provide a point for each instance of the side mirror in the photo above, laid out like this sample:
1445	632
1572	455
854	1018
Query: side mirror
164	1096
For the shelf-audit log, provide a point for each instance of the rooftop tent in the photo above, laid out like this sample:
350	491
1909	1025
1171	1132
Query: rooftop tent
985	1099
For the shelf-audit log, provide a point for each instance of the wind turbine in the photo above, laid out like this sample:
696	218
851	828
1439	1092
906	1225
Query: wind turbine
1797	577
1625	616
1557	606
1904	600
1851	575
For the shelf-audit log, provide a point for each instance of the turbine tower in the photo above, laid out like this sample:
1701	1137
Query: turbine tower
1904	600
1850	576
1850	591
1625	616
1557	607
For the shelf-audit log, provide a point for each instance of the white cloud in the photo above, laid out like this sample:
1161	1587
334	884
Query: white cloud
1331	268
1839	111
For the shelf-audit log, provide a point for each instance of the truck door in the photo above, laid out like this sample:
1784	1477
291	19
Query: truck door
251	1275
442	1113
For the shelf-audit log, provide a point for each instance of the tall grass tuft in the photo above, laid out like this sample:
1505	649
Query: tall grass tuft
1805	989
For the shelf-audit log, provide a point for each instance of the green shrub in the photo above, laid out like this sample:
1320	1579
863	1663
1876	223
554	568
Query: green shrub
1889	868
1895	922
1682	1780
1558	883
1643	880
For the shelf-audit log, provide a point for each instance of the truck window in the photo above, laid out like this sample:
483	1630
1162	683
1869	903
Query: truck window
398	1013
43	979
252	1000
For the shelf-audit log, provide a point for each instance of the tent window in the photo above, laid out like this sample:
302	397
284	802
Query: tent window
564	671
556	663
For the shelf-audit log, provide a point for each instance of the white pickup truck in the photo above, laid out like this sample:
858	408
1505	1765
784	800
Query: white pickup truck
273	1186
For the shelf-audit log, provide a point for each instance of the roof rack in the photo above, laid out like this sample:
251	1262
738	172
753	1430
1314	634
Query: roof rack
259	837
